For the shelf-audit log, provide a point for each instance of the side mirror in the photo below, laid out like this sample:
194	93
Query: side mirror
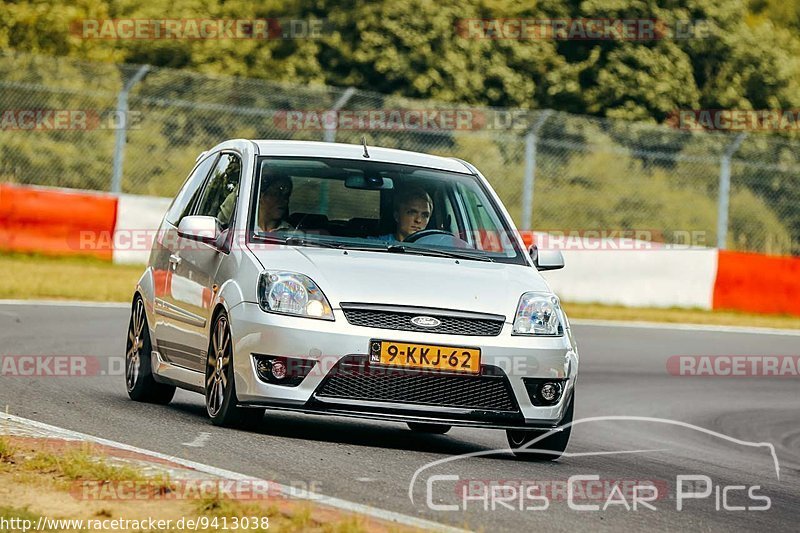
546	259
200	228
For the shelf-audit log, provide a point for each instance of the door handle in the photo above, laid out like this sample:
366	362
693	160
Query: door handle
174	260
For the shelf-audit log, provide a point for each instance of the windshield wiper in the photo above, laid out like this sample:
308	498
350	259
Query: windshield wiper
377	247
438	252
302	241
418	250
295	240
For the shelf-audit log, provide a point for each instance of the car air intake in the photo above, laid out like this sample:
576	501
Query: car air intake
352	378
442	320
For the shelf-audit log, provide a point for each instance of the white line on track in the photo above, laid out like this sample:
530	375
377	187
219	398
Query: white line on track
287	491
67	303
576	321
199	441
685	327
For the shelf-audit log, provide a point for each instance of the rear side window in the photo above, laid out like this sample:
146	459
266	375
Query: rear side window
183	201
219	196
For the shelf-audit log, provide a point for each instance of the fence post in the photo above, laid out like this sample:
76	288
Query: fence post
121	133
530	168
725	190
330	130
330	136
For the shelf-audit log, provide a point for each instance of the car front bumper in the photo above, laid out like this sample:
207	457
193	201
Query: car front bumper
328	343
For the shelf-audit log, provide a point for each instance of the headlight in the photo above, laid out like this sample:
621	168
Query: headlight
538	314
288	293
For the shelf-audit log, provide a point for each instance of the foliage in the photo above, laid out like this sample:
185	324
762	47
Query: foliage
414	48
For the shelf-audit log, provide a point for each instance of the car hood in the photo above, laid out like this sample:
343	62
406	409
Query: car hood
405	279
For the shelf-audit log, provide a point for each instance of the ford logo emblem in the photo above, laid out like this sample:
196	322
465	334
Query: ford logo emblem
425	321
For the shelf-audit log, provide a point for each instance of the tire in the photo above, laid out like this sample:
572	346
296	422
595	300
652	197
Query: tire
139	381
550	448
220	387
424	427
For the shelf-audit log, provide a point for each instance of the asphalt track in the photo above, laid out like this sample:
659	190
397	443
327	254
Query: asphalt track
623	373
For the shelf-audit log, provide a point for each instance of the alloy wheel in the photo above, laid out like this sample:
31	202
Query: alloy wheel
219	358
133	353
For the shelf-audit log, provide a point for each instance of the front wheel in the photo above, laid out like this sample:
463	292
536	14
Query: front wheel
549	448
139	381
221	402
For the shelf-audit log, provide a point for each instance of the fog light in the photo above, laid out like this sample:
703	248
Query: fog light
549	391
278	369
545	392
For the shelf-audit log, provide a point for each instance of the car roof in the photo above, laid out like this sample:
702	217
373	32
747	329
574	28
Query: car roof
356	151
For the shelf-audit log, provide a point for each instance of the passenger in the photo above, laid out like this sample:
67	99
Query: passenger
273	206
412	212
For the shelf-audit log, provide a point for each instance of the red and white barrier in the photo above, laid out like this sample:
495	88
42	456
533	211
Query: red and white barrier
138	220
637	278
51	221
757	283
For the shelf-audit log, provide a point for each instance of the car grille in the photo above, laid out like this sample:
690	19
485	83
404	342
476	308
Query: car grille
353	379
451	322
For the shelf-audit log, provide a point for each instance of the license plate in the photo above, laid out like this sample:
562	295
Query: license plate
426	356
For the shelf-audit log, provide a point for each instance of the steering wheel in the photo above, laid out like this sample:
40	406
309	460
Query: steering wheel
437	237
414	237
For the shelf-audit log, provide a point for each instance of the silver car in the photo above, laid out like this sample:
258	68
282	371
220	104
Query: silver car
337	279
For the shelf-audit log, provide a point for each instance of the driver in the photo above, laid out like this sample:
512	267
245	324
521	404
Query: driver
412	212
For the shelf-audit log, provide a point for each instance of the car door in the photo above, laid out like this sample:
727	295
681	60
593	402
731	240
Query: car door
162	260
195	265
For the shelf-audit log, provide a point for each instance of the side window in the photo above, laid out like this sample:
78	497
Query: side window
183	201
485	228
219	196
478	215
446	212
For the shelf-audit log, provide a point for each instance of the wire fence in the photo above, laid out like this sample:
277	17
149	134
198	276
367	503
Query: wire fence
135	129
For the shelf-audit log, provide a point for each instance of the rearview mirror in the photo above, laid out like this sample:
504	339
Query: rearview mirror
200	228
546	259
372	183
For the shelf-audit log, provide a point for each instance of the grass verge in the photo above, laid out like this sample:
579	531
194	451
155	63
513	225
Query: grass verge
81	463
74	278
40	277
39	477
17	516
6	450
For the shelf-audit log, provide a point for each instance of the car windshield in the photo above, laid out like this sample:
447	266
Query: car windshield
382	207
